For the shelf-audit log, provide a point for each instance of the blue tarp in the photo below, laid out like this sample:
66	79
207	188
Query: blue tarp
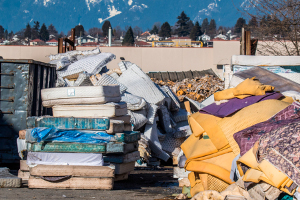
62	135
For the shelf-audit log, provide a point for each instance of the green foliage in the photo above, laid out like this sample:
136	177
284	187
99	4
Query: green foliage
165	30
212	27
79	30
105	28
196	32
27	32
52	30
154	30
128	39
35	31
253	22
6	34
44	33
240	23
182	26
204	27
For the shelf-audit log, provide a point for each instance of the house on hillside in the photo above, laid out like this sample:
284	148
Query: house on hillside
86	39
52	42
221	36
36	42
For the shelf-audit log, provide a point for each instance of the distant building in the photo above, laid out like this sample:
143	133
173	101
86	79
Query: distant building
52	42
142	44
204	37
146	33
221	36
86	39
181	41
153	38
36	42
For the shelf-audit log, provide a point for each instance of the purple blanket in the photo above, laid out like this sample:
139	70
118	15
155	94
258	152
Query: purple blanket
247	137
234	105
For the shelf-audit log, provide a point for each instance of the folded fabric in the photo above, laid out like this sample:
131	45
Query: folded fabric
245	89
235	104
281	148
247	137
61	135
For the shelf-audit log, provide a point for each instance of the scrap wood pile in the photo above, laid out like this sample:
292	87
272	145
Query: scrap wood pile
243	144
106	120
197	89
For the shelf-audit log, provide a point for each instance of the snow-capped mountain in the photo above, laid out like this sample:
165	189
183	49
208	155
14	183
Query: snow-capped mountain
65	14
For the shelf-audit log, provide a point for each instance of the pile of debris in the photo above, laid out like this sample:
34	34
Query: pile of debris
241	144
197	89
115	117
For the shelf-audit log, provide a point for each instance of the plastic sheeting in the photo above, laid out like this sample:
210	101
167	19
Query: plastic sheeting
86	159
62	135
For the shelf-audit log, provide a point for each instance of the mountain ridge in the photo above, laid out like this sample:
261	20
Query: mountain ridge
92	13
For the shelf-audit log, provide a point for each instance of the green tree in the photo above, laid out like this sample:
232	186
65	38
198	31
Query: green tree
204	27
253	22
1	32
44	33
154	30
11	35
128	39
165	30
182	26
196	32
190	25
212	28
240	23
52	30
105	28
79	30
6	34
27	33
35	32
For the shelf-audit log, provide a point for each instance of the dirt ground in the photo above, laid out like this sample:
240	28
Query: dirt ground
143	183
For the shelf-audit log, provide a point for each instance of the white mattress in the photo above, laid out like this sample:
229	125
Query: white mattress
103	110
77	101
80	92
42	158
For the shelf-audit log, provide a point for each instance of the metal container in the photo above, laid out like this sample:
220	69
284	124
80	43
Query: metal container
21	82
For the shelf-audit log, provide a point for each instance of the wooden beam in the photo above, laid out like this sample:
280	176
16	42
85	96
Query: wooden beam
248	42
243	42
60	45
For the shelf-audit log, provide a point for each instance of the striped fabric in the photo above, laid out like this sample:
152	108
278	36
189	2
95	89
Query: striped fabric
139	84
108	80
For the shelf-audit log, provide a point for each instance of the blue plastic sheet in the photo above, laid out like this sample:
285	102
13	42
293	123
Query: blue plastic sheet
61	135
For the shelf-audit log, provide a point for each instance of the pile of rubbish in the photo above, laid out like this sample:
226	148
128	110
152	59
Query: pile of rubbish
197	89
103	120
244	144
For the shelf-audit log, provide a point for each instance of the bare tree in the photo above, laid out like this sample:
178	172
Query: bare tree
95	32
278	23
137	31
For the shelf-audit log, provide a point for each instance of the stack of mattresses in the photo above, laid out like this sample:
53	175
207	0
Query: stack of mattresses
88	127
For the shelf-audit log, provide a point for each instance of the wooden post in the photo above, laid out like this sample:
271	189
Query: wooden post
60	45
248	42
73	38
243	42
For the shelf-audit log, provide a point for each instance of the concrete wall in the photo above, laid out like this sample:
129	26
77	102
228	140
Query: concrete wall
148	58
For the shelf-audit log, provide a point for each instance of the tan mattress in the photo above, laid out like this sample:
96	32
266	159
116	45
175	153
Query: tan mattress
115	126
90	111
72	170
80	92
73	183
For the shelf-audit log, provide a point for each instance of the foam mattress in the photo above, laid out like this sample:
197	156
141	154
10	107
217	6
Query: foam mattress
71	170
44	158
73	183
91	111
